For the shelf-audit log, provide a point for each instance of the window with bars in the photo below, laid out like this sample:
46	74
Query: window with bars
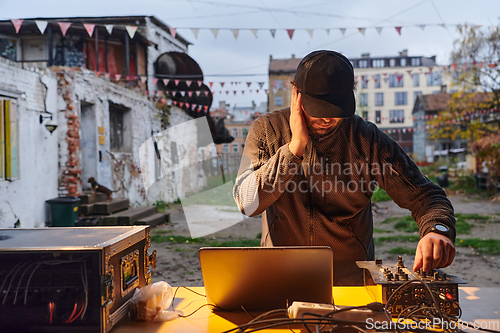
378	118
235	132
9	158
364	81
396	80
396	116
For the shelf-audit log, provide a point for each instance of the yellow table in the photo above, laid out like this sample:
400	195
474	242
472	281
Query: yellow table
204	320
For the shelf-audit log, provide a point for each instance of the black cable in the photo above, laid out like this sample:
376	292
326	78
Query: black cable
191	290
206	304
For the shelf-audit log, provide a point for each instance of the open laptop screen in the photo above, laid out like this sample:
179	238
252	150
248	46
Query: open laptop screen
266	278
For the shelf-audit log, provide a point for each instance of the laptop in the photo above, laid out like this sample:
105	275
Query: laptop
266	278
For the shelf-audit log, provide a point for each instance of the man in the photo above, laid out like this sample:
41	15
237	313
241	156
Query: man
313	168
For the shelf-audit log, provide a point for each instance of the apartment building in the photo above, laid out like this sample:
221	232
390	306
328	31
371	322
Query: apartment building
386	89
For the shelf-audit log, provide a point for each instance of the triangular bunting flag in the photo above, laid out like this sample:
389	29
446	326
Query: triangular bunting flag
17	24
327	32
206	93
155	81
198	93
159	93
118	77
409	72
257	90
379	30
362	30
243	92
188	83
107	75
190	93
234	92
176	81
254	31
235	32
173	31
273	32
175	102
290	32
222	84
181	104
215	32
266	90
42	25
398	29
183	93
131	29
261	84
143	79
310	32
200	83
64	27
422	26
109	28
205	107
165	82
210	84
342	30
187	105
248	84
90	28
195	32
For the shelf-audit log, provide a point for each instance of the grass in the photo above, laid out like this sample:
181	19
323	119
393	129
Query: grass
486	246
402	250
399	238
379	231
380	195
204	242
219	196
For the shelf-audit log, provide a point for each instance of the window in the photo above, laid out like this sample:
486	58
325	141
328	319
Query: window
235	133
392	62
396	116
378	118
416	80
395	80
244	132
363	99
434	79
8	139
416	94
402	62
363	63
379	99
225	148
376	80
415	61
400	98
235	147
278	100
365	115
364	81
8	49
120	132
378	63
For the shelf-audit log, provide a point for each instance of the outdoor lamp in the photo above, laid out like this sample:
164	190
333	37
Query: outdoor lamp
50	126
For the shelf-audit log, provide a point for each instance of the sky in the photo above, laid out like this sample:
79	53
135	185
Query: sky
246	59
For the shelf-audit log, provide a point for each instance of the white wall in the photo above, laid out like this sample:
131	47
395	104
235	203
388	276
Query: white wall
23	199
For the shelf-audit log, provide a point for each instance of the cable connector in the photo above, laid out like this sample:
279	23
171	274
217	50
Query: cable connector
297	309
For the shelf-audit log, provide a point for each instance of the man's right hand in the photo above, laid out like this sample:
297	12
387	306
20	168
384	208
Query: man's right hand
300	134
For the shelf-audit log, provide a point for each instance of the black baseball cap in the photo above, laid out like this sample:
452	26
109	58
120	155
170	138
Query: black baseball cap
326	81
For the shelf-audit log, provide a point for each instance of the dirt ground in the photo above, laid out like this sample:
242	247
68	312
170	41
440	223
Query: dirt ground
178	264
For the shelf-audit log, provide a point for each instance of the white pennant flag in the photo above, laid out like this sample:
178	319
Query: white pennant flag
198	93
310	32
362	30
254	31
165	82
235	32
327	32
131	29
379	30
109	28
42	25
342	30
195	32
215	32
273	32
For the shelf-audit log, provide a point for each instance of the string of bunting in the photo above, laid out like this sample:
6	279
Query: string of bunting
131	29
455	118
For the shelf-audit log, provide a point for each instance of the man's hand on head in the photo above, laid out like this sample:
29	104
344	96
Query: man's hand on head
434	251
300	134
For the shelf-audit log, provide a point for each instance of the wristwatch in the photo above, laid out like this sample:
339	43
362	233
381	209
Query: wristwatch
441	229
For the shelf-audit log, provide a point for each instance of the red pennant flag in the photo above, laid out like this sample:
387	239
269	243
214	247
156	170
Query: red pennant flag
290	32
266	90
234	92
210	84
173	31
175	102
17	24
243	92
430	69
205	107
409	72
90	28
198	93
248	84
187	105
222	84
206	93
118	77
398	29
155	80
176	82
165	82
454	66
181	104
97	74
227	92
200	83
257	91
163	101
190	93
399	77
492	65
159	93
64	27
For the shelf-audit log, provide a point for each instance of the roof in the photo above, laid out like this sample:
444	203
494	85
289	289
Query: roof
134	20
283	65
434	102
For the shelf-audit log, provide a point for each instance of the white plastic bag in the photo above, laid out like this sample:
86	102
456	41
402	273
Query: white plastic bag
151	303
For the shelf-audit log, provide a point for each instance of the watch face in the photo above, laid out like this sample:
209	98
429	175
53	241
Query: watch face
441	227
